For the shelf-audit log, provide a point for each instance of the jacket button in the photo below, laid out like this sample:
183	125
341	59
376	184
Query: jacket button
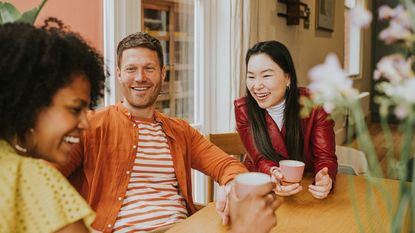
119	198
109	225
134	146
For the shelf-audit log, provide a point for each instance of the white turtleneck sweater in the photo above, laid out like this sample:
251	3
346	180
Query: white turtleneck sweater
277	113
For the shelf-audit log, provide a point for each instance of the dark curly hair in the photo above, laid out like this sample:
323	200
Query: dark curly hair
34	64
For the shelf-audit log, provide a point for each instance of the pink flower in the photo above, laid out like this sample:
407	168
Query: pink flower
394	68
330	85
395	32
401	111
406	91
402	95
400	24
377	75
360	17
401	16
385	12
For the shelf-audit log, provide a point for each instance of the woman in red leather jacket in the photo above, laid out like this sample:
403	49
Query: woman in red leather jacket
269	123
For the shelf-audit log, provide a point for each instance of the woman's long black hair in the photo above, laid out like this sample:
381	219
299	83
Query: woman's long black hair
256	115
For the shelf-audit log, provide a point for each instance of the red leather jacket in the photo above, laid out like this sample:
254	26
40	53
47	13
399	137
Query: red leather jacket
319	144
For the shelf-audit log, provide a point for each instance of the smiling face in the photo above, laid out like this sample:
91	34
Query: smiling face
266	81
140	76
58	127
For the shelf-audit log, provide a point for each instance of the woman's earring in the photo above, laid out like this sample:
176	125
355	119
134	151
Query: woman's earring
288	88
20	148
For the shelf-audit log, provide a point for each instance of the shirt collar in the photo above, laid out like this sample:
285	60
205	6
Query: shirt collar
158	117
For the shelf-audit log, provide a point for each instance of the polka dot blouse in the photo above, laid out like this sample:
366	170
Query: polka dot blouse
35	197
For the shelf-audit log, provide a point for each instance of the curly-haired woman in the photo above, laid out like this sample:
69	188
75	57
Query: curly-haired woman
48	79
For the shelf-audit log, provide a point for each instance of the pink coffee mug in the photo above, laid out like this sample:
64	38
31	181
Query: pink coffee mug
247	182
292	170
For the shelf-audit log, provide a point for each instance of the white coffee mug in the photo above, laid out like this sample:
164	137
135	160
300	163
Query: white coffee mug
247	182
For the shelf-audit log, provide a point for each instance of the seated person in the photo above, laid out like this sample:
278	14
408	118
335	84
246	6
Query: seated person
269	123
48	79
133	165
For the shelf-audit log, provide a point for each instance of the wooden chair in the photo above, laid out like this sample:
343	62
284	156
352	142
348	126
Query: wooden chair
230	143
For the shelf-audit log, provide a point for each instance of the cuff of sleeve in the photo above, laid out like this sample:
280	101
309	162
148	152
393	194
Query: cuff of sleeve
226	179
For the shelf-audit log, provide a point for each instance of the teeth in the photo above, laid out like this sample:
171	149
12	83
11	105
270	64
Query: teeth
140	88
262	95
71	139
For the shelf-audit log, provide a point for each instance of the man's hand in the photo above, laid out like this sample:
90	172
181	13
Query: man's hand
222	202
255	212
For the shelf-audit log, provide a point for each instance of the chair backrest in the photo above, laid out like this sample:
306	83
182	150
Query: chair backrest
230	143
351	161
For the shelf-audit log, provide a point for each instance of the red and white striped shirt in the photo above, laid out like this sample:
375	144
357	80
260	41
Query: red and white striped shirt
152	199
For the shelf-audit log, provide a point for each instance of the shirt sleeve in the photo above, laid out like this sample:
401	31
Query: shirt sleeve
47	202
323	142
211	160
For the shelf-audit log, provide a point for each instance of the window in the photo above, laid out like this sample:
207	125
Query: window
172	22
352	41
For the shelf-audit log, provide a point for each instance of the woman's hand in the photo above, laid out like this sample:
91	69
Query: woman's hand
323	184
283	190
222	202
255	212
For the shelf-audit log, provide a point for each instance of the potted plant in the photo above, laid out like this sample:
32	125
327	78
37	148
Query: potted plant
9	13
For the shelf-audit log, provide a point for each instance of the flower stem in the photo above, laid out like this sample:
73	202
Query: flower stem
364	139
406	192
391	173
366	144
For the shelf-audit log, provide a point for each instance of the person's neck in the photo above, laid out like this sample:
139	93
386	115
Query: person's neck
278	108
277	113
139	112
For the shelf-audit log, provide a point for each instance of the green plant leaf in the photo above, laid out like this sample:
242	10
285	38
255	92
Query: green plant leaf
31	15
8	13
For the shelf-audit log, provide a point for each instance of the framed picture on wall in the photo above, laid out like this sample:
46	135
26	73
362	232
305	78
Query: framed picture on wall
325	15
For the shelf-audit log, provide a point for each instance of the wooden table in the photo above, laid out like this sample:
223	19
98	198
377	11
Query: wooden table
303	213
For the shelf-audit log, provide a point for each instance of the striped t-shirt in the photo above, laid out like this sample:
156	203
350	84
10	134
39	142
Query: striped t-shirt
152	199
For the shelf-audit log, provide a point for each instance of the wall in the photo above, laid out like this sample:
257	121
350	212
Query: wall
308	47
83	16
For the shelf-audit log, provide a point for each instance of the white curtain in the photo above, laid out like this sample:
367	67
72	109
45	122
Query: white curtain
243	34
225	29
184	60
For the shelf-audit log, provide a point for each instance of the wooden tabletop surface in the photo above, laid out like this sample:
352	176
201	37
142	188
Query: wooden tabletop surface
352	206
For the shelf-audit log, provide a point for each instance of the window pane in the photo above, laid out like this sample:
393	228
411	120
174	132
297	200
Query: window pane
172	22
352	52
